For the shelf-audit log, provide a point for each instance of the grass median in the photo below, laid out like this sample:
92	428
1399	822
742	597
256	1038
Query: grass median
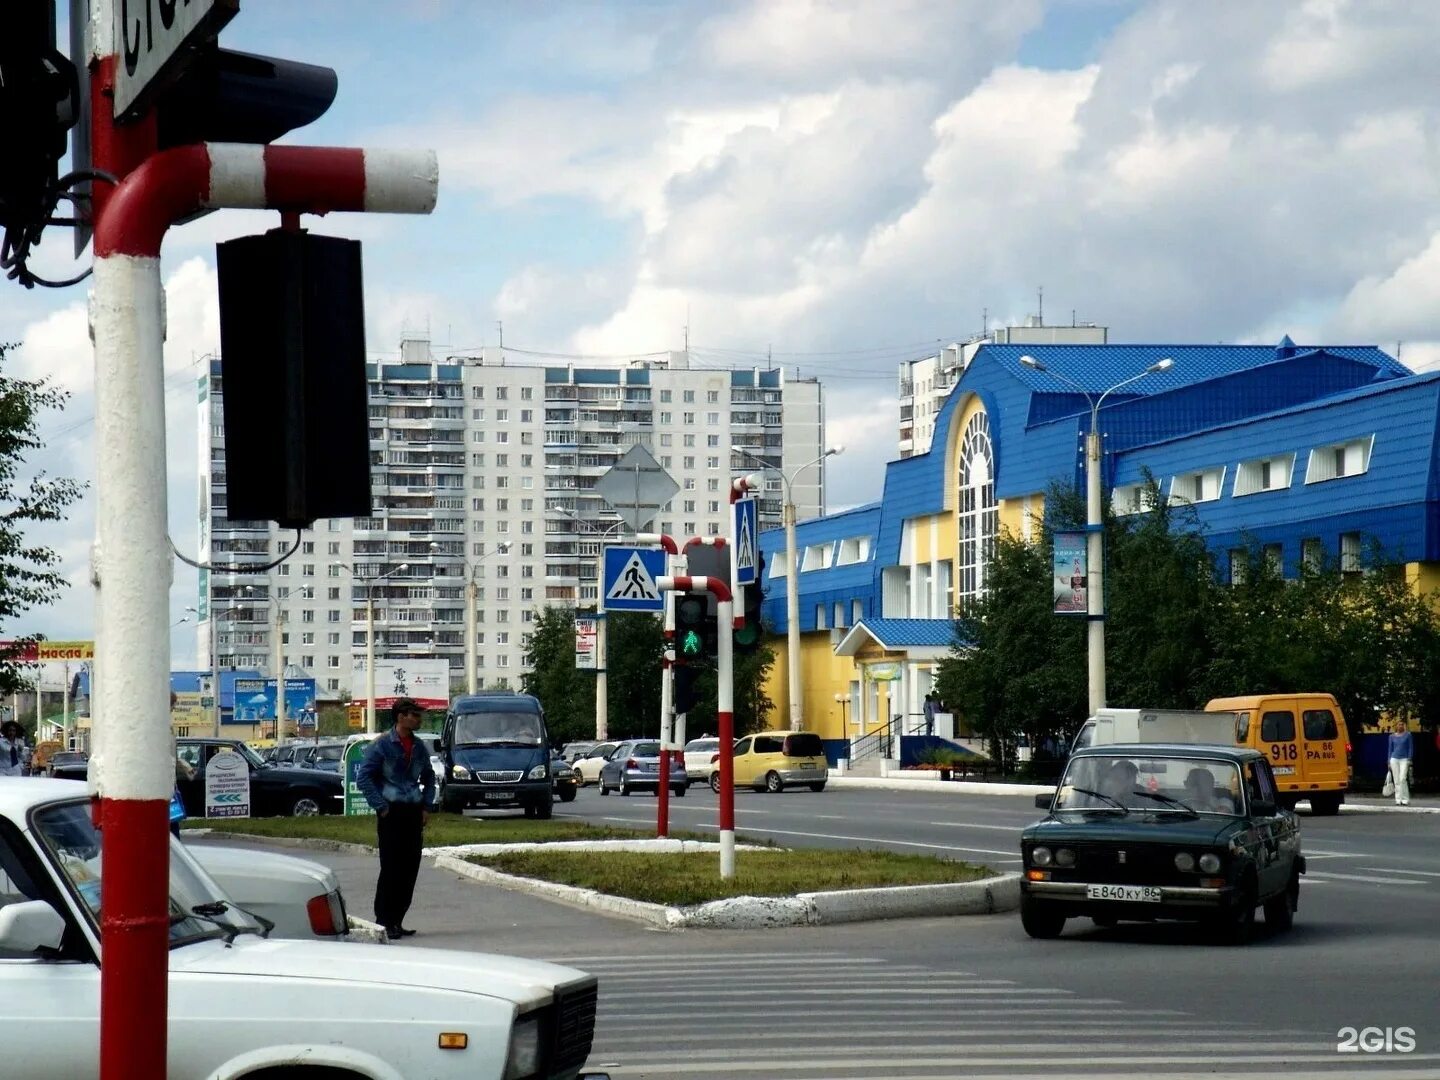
443	830
683	879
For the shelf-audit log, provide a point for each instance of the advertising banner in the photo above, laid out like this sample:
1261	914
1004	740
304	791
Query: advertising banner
1069	574
189	711
586	628
426	681
227	786
255	701
355	802
34	652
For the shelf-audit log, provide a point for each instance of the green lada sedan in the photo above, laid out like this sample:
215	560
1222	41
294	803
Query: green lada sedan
1147	832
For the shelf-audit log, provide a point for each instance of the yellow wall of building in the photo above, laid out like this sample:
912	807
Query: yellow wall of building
1423	578
822	676
942	527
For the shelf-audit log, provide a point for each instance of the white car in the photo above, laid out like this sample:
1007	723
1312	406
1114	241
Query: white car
240	1004
589	766
700	759
301	898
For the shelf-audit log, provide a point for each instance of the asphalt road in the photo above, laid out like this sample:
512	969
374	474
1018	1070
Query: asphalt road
933	998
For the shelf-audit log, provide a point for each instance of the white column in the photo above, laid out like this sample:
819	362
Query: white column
792	616
470	634
1095	569
370	661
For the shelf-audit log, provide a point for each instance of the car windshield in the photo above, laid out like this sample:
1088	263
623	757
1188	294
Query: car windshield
1163	783
329	753
805	744
645	749
248	754
198	907
697	746
498	727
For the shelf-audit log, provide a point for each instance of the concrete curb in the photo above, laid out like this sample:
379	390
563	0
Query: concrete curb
928	780
1374	808
656	845
987	896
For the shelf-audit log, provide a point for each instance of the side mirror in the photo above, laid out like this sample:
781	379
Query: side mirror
1261	808
1045	802
30	926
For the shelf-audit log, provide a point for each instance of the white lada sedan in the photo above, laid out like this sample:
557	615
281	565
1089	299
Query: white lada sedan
242	1004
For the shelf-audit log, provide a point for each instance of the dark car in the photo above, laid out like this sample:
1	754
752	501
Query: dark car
635	766
495	753
562	776
68	765
1147	832
275	790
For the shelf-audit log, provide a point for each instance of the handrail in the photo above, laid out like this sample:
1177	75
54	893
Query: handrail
872	742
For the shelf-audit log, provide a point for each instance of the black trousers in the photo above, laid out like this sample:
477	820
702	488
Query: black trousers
399	835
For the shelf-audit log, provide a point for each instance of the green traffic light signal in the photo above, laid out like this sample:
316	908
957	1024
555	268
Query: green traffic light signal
691	644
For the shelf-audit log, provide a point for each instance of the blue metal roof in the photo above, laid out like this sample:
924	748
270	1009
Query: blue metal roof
905	633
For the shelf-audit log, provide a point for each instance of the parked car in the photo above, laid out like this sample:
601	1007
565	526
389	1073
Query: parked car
636	765
275	790
495	752
325	755
573	751
775	760
68	765
701	758
513	1017
593	761
564	779
300	897
1162	831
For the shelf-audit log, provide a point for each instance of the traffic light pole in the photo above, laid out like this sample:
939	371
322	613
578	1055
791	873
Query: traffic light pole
133	771
725	712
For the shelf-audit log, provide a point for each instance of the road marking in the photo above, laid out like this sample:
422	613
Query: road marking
970	825
1365	878
1392	870
670	994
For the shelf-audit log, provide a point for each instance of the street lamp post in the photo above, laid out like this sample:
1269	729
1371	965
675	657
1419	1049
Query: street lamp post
792	583
370	725
1095	524
214	617
471	676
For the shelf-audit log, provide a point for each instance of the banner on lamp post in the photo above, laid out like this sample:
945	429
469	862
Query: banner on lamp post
1069	575
586	629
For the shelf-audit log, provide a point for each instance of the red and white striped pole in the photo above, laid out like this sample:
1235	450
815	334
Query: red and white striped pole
726	706
133	770
674	564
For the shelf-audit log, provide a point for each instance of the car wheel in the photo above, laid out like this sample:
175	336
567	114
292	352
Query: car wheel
307	805
715	782
1280	910
1040	921
1240	926
624	788
568	795
603	789
773	783
1327	805
545	811
679	791
819	785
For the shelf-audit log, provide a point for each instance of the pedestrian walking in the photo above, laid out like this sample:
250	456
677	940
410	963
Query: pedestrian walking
1401	754
397	781
932	703
14	754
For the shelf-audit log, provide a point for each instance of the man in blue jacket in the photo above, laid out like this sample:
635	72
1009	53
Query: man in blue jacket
397	781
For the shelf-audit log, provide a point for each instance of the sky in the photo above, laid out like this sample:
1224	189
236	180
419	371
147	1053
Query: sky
830	186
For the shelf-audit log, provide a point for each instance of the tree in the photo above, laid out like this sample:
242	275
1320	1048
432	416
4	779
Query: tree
635	646
752	705
566	694
28	574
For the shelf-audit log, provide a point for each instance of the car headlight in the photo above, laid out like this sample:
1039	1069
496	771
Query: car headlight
459	772
539	772
524	1057
1184	861
1041	856
1209	862
1064	857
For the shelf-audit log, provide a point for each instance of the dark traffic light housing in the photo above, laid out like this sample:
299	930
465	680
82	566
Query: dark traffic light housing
695	640
686	686
238	97
749	636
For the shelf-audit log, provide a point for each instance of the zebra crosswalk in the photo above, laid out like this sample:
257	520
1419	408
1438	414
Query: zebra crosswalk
808	1016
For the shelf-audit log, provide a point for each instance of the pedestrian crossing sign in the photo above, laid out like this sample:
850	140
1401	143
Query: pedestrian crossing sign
630	576
744	542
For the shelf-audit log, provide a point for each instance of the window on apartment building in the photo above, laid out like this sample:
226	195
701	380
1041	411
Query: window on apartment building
307	638
333	639
527	571
979	517
332	662
527	483
502	416
713	462
689	483
332	684
307	661
283	592
665	460
839	615
527	438
689	506
690	529
477	549
527	416
689	419
689	441
502	481
332	616
527	506
502	461
333	593
712	418
307	548
333	525
527	393
502	615
664	395
477	505
478	525
1350	553
712	440
477	482
333	570
527	461
1274	558
502	570
667	527
308	615
527	528
712	397
712	484
667	440
689	397
527	593
502	660
502	437
477	436
714	528
502	393
333	547
1312	554
477	461
502	592
665	418
283	569
478	393
478	415
527	550
714	506
307	570
502	637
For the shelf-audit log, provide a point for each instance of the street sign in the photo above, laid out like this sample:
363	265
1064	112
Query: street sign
355	715
586	631
156	39
354	801
630	575
227	786
745	526
636	487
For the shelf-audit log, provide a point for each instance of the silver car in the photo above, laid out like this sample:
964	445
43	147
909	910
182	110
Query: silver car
636	765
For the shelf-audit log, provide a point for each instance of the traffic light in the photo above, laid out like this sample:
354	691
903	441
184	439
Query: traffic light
39	102
687	693
748	637
229	96
694	629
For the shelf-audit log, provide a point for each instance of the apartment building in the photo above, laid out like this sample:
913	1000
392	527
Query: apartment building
925	383
484	470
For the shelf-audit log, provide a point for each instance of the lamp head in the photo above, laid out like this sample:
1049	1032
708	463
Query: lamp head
838	448
1030	362
403	567
1163	365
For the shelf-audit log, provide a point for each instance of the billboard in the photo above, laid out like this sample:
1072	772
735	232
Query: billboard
255	701
34	652
1068	576
427	681
586	628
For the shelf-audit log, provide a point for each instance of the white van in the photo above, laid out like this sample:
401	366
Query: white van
1109	726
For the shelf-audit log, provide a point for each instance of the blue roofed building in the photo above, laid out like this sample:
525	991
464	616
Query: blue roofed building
1309	451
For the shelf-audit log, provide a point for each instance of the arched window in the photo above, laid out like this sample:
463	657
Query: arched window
979	513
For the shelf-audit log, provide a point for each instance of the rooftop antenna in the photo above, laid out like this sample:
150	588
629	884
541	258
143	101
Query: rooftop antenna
1041	291
984	321
687	335
500	329
1072	317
